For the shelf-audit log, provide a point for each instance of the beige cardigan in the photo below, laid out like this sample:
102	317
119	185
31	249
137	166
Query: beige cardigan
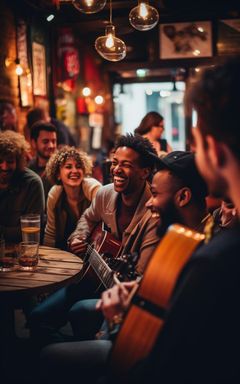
140	236
90	187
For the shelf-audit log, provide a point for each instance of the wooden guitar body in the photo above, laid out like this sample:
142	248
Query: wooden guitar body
104	243
102	266
145	317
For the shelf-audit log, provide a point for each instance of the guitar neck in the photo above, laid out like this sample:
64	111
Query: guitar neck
103	271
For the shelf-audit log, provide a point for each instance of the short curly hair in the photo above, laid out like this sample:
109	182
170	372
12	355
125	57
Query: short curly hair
15	144
61	156
147	153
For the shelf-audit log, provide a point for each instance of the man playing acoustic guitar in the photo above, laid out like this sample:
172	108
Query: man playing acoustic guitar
121	207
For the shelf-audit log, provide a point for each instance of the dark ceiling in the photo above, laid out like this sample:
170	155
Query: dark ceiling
142	47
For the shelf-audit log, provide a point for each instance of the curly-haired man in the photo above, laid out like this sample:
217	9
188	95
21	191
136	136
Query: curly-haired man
21	190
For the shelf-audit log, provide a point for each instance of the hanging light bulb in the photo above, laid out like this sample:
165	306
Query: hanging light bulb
109	46
143	17
89	6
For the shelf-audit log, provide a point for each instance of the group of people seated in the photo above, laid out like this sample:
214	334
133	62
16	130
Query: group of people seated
198	340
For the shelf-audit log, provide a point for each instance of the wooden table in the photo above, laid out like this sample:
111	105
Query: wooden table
55	269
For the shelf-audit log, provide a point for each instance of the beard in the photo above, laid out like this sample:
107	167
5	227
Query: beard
169	215
44	155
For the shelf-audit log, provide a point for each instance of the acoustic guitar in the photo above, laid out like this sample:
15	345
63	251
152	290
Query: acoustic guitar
145	317
102	266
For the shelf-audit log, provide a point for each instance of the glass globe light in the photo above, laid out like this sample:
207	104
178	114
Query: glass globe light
89	6
109	46
143	17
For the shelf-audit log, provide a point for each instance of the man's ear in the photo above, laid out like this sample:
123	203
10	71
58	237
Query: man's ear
183	196
216	152
146	173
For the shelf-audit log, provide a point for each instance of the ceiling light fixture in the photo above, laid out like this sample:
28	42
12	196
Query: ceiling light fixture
109	46
141	72
89	6
50	17
143	17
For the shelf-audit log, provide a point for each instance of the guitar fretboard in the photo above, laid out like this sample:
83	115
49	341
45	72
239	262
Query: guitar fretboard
104	272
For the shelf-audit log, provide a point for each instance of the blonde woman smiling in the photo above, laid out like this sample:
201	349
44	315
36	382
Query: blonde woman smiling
69	169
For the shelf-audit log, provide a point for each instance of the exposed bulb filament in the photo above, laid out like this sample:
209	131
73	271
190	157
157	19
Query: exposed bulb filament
89	3
109	41
143	11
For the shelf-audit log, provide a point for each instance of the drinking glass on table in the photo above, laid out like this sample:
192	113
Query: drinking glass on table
28	255
2	254
30	226
8	254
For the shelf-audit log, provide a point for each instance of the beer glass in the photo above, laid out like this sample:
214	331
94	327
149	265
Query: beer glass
28	255
30	226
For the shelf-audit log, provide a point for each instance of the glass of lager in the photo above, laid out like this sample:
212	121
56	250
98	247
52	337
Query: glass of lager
30	226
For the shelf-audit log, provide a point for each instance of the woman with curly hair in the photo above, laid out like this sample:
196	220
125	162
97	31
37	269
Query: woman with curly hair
68	169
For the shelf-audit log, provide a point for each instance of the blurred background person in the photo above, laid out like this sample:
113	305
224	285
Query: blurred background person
44	144
63	134
152	128
225	216
102	160
8	116
72	193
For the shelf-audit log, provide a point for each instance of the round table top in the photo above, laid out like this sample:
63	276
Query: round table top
55	269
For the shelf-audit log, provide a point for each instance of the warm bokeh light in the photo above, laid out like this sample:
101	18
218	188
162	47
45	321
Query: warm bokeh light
99	100
86	91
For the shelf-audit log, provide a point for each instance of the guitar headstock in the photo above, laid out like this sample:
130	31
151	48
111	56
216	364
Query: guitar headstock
125	266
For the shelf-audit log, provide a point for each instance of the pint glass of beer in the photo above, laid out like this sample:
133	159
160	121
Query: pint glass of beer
30	226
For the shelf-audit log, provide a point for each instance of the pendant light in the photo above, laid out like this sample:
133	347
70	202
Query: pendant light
89	6
143	17
109	46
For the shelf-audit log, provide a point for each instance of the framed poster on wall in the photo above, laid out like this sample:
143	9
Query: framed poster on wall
39	69
25	80
186	40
